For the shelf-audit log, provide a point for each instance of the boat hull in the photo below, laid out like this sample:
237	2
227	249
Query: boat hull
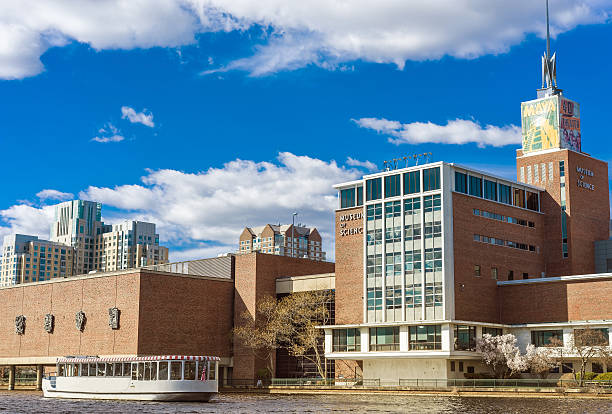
170	396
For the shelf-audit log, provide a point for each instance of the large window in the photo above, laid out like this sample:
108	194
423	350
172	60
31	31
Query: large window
544	338
532	201
392	185
490	190
476	186
425	337
431	179
347	198
592	337
412	182
360	195
465	338
461	182
492	331
519	197
384	338
373	189
346	340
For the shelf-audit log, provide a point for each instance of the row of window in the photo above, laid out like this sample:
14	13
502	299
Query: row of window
423	337
410	182
555	337
507	243
505	219
491	190
495	273
142	371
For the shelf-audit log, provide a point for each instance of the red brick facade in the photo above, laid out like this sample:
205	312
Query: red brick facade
349	266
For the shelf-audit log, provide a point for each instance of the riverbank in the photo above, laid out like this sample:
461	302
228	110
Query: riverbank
570	393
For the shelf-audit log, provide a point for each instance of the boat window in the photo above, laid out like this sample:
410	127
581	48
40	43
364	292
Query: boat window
176	370
134	370
163	370
154	371
190	370
100	372
117	369
202	370
109	370
84	370
140	371
61	370
212	371
126	369
150	371
76	370
92	369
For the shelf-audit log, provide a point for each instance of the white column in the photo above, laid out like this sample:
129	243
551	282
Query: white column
404	338
328	341
447	338
365	340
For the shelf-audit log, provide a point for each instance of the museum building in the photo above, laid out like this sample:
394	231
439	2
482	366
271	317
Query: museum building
431	257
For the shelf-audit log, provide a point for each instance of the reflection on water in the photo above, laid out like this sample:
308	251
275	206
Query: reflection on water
30	402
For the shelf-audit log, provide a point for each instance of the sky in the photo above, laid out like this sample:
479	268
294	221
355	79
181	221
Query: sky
206	116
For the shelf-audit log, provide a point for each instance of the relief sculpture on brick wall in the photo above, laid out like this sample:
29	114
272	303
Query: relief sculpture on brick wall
20	323
49	323
80	319
113	318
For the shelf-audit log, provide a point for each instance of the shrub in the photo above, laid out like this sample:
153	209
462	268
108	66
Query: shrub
604	377
588	376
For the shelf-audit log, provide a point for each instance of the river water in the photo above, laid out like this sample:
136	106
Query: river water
31	402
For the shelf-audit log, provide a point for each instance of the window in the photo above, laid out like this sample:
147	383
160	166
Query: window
544	338
476	270
373	189
532	201
460	366
384	339
490	190
163	370
412	182
510	274
465	338
525	275
505	194
476	186
346	340
347	198
519	197
494	273
176	370
425	337
492	331
592	337
431	179
392	185
190	370
470	370
461	182
452	366
360	195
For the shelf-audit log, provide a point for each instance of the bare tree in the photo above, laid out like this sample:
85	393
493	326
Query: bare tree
261	334
588	345
306	311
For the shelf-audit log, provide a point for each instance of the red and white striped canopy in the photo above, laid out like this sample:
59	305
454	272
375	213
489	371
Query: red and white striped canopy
138	358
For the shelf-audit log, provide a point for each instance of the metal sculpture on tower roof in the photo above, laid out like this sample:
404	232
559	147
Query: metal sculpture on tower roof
549	63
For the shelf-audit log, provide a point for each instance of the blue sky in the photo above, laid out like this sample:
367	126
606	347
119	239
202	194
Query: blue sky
208	116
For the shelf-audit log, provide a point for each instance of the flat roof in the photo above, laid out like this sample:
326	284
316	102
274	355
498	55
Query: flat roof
594	276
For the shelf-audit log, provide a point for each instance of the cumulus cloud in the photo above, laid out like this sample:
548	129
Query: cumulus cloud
363	164
458	131
296	34
26	219
137	117
49	194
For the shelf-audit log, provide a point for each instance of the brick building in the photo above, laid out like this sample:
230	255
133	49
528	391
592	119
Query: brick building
282	240
431	257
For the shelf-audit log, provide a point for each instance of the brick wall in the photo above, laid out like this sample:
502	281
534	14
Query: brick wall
476	297
556	301
349	268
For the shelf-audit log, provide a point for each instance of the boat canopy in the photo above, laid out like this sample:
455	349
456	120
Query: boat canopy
86	359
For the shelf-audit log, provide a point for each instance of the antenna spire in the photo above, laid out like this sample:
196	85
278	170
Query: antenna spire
549	63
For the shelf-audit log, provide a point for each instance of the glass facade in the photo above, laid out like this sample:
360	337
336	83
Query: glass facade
490	190
544	338
373	189
465	338
412	182
384	338
505	194
392	186
431	179
347	198
461	185
374	261
346	340
476	186
425	337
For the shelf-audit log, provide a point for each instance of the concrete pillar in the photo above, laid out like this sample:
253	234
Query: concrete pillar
39	376
11	384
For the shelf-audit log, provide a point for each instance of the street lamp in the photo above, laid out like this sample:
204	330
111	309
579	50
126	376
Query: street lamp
293	234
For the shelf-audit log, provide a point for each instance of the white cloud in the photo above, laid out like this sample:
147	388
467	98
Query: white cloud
363	164
112	138
25	219
137	117
320	32
49	194
458	131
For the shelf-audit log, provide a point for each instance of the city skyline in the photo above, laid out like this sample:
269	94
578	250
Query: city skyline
160	115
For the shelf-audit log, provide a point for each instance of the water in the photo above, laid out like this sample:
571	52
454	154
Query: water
31	402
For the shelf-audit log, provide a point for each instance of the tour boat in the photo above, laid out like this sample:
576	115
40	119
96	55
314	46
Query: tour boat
154	378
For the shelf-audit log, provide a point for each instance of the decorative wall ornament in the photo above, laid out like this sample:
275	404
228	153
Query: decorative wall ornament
113	318
49	323
80	319
20	324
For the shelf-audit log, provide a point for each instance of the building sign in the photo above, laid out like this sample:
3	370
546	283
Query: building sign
551	122
345	222
583	172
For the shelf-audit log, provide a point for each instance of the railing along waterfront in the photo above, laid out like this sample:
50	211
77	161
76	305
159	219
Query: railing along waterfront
434	383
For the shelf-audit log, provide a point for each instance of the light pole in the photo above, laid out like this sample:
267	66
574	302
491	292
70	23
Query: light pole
293	234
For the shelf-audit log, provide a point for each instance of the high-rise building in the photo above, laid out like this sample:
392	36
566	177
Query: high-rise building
29	259
77	223
282	240
128	245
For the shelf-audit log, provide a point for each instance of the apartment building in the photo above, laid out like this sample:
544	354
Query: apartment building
282	240
27	259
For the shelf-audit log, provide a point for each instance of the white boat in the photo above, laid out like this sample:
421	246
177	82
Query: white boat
152	378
